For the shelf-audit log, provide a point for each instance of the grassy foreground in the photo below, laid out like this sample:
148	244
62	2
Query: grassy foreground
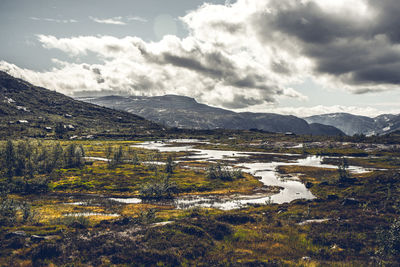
351	222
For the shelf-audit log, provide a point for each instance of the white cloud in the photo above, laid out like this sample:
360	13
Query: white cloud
118	20
114	21
104	46
54	20
182	66
136	18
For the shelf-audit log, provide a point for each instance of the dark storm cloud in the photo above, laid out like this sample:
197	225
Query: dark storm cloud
354	57
250	80
241	101
213	64
310	23
388	22
192	64
356	50
380	74
219	67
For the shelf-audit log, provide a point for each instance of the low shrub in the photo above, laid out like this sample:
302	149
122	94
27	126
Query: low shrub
217	171
161	188
13	211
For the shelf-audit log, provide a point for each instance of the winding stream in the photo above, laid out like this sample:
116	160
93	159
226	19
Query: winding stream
267	171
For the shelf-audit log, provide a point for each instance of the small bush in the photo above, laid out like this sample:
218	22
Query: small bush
135	159
343	173
8	211
74	156
27	213
147	216
225	173
169	165
13	211
117	158
161	188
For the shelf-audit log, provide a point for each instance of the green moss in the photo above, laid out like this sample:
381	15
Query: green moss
245	235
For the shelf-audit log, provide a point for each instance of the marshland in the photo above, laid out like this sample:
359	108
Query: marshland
248	199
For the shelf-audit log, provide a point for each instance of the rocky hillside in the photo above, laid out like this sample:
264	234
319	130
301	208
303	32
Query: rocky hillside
27	110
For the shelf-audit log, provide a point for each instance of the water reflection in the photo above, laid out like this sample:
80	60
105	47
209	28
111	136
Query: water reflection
267	171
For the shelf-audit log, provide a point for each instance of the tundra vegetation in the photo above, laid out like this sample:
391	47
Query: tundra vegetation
58	207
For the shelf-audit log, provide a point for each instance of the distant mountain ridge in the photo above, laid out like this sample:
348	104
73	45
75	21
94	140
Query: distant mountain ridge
186	112
28	110
355	124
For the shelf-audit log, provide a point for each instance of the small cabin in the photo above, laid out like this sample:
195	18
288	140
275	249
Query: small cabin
22	121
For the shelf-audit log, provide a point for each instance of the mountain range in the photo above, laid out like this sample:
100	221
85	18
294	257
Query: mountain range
353	124
185	112
28	110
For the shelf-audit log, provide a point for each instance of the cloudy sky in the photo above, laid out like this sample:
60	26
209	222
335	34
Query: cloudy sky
300	57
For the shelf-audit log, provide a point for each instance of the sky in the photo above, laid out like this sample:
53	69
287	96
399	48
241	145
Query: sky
298	57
